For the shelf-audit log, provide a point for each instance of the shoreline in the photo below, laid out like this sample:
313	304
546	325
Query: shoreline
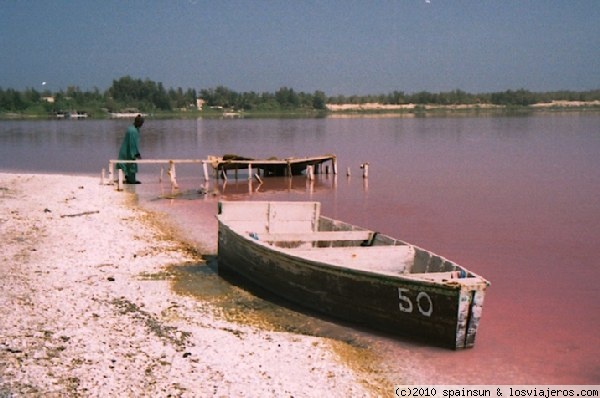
340	110
89	309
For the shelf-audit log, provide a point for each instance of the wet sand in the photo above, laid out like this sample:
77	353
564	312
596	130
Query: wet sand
88	309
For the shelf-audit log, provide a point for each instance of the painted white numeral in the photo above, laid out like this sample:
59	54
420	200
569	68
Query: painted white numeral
405	303
424	296
424	303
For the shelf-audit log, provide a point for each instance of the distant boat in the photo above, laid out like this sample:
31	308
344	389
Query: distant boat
349	272
69	115
78	115
126	115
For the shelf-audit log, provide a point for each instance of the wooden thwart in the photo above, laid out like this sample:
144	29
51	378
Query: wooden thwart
316	236
393	260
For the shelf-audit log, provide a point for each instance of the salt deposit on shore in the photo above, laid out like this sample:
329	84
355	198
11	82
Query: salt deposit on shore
84	312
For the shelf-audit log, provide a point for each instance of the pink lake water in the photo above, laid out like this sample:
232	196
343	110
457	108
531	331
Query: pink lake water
515	199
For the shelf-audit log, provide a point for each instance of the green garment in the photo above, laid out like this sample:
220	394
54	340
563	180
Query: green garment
130	151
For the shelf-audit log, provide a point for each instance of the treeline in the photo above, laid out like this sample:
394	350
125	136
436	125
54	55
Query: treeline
287	98
509	98
128	93
124	94
283	99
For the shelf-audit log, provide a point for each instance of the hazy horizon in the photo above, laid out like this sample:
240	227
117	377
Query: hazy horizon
338	47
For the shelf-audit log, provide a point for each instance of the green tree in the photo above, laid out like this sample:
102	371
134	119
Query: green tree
145	95
287	98
319	100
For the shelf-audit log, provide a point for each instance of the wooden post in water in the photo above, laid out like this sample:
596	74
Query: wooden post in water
102	177
309	172
334	165
249	171
111	169
120	181
173	175
365	167
205	170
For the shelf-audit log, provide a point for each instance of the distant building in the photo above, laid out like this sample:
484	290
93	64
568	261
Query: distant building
200	103
49	100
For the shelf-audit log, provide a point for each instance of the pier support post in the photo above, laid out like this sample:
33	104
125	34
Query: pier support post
173	175
205	170
309	173
365	168
120	181
111	169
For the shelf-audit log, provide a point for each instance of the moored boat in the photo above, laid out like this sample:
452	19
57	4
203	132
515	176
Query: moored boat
349	272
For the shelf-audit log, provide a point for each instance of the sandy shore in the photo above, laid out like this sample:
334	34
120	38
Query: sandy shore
84	312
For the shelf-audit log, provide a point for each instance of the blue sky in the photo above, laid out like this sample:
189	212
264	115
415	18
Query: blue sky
340	47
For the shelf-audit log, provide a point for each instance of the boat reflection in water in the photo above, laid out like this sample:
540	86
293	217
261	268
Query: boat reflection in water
275	185
192	189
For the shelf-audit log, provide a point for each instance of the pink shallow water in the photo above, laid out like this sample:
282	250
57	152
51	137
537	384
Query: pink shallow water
515	199
541	312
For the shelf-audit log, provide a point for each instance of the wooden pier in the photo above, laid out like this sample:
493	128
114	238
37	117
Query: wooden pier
273	166
268	167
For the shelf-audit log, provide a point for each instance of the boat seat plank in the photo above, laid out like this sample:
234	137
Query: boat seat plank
385	259
435	276
315	236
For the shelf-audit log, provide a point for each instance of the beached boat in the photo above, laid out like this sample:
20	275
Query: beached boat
349	272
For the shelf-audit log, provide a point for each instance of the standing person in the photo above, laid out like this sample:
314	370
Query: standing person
130	150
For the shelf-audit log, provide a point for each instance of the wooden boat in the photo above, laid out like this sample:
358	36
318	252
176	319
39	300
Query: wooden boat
349	272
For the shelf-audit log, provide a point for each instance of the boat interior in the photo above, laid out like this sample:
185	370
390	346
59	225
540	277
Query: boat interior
298	229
